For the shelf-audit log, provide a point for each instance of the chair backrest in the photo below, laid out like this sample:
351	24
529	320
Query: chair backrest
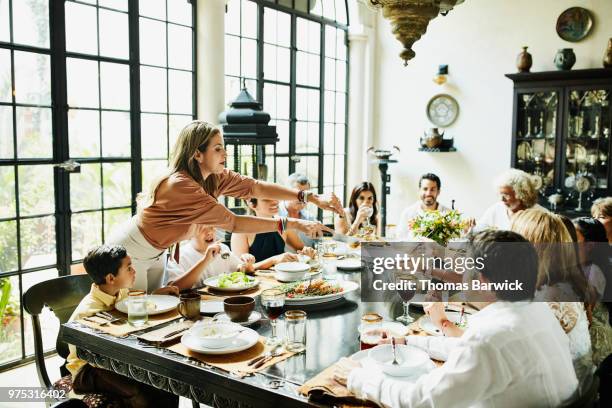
62	295
586	399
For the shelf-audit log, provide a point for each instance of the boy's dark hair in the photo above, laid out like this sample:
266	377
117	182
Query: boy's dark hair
432	177
102	260
507	256
591	229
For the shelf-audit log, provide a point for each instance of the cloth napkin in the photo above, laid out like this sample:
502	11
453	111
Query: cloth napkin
166	335
123	328
235	363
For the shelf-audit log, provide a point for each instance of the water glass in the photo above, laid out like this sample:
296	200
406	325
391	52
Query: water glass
295	330
137	309
328	263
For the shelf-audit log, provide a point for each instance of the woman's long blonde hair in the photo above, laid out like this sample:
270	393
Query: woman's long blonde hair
555	247
194	136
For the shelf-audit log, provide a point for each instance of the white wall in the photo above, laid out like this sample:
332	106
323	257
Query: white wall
479	40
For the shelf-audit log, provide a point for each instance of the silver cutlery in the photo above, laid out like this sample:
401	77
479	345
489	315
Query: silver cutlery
109	317
174	333
265	355
394	351
277	352
88	319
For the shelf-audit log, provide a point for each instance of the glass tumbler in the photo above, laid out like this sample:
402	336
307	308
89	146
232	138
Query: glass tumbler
137	309
295	330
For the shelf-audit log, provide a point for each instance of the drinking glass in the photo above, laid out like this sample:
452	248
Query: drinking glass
137	309
406	293
273	302
295	330
367	226
370	330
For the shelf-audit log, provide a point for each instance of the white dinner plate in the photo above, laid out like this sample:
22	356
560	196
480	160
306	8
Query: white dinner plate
247	339
349	264
211	307
348	287
156	304
427	325
213	283
254	317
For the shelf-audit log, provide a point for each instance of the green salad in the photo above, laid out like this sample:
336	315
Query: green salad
234	280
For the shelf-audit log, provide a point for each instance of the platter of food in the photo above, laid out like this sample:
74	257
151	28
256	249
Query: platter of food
315	291
231	282
156	304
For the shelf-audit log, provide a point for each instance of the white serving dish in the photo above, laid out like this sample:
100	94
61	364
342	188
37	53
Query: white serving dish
214	335
156	304
291	271
246	339
413	361
348	286
349	264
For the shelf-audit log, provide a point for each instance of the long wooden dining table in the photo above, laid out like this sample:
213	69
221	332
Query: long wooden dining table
331	334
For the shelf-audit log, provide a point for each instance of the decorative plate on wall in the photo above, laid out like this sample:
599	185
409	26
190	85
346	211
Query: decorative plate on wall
442	110
574	24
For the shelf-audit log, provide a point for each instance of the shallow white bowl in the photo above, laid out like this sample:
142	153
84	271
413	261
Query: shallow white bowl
215	334
412	360
291	271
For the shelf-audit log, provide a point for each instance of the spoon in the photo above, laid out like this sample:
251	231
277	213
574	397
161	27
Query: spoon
394	352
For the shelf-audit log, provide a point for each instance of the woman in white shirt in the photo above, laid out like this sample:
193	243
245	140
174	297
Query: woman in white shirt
517	193
513	354
362	209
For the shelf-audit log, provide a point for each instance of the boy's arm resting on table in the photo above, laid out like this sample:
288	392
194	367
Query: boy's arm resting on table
471	374
438	347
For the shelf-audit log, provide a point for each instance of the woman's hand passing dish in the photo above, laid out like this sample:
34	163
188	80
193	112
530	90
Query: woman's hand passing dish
327	202
313	229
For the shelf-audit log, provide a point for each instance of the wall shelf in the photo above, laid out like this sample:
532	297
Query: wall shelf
437	149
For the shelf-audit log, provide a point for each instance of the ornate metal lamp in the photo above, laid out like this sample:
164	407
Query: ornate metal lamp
410	18
383	159
246	133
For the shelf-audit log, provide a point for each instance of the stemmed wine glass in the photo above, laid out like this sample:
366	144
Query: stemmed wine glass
273	302
406	292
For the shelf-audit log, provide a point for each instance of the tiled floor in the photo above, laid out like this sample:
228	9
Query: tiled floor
26	376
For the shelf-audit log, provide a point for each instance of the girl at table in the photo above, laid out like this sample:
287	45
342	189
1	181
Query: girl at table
268	248
187	196
363	207
203	257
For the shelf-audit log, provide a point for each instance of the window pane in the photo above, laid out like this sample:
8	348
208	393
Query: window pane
340	140
340	45
36	190
116	4
270	61
32	78
154	143
307	137
181	99
249	58
81	28
330	41
49	323
308	36
83	133
341	76
282	129
232	17
116	134
330	73
176	124
5	76
151	169
276	101
309	64
341	11
153	97
328	9
38	242
180	12
339	169
117	184
10	331
8	241
307	104
113	219
34	133
152	42
340	108
86	233
7	192
310	166
179	47
282	170
115	86
82	77
85	188
232	55
328	175
153	8
114	34
6	132
249	19
5	33
31	23
330	106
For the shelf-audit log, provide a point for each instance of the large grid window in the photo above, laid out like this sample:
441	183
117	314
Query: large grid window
292	55
79	93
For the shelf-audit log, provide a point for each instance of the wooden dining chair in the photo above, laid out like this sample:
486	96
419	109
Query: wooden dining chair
62	295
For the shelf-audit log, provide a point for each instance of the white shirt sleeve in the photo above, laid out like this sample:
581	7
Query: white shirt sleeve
437	347
471	374
173	270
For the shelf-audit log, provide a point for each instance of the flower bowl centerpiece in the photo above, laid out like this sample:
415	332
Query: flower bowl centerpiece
437	226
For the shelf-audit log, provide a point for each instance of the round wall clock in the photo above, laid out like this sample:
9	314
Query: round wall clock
442	110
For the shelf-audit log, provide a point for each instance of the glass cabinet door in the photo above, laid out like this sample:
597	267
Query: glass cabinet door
536	135
587	146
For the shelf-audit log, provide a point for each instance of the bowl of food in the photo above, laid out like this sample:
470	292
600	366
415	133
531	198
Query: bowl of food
291	271
412	361
215	334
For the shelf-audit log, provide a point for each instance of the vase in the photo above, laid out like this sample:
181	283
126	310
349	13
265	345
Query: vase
524	61
565	59
607	61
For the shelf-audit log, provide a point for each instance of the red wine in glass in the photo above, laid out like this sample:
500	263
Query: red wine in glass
406	292
274	308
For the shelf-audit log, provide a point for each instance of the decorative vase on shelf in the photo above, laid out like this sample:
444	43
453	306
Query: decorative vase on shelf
565	59
524	60
607	61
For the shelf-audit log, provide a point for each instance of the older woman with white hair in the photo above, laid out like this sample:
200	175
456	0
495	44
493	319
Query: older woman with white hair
517	192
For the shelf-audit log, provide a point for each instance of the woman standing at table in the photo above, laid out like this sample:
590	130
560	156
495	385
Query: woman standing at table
187	196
